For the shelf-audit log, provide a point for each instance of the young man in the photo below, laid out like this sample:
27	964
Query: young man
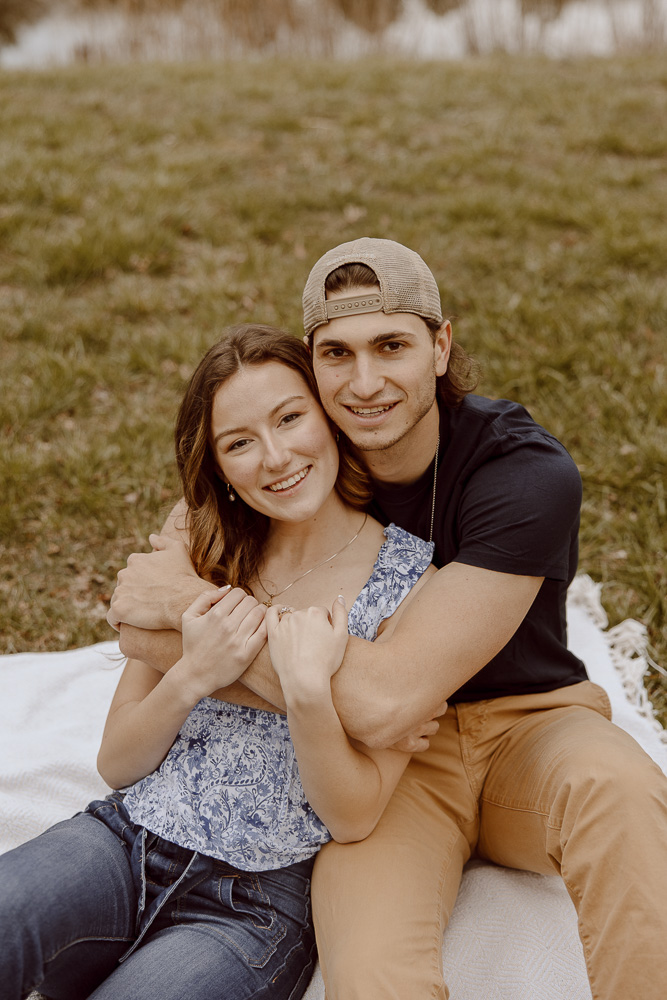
526	769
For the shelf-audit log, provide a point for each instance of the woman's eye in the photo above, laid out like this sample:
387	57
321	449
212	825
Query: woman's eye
289	417
237	444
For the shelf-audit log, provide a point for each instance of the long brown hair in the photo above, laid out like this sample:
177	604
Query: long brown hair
227	539
462	373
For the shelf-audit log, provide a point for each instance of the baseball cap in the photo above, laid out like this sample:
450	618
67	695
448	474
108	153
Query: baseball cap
406	283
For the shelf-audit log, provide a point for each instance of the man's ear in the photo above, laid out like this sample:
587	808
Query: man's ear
442	346
306	340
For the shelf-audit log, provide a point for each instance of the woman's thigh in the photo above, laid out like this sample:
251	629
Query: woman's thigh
67	909
230	935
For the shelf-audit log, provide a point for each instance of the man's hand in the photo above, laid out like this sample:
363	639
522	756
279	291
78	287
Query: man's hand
156	587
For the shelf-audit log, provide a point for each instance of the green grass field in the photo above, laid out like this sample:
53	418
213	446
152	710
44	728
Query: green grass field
145	208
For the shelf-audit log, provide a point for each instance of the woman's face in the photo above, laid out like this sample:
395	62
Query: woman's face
273	443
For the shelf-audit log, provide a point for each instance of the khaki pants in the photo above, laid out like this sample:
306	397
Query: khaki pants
538	782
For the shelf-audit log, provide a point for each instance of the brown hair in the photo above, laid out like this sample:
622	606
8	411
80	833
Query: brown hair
462	373
227	539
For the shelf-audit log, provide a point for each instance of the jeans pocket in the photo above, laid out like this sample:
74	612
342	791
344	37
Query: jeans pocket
244	916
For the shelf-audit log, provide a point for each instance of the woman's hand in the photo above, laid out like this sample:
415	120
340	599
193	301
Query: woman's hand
307	647
223	631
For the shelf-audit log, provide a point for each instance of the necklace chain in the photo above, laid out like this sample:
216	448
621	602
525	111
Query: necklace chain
312	568
435	486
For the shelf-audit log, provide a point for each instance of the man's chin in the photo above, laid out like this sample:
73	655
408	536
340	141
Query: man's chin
368	442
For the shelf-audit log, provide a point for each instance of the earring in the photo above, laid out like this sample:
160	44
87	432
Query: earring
230	493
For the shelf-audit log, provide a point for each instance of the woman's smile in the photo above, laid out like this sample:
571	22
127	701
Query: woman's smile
286	484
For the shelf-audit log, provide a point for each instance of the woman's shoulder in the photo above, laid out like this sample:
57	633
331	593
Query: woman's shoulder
404	551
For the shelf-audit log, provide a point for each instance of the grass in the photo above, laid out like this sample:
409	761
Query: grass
144	209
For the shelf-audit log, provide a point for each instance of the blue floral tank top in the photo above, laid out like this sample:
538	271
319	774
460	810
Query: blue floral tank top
229	786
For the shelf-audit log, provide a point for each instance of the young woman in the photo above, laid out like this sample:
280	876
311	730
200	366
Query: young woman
192	879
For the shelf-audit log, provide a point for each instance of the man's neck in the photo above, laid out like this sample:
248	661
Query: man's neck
404	462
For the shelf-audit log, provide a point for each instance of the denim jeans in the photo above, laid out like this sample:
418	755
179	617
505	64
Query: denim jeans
99	907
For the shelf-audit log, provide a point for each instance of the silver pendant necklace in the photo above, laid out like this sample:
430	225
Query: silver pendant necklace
312	568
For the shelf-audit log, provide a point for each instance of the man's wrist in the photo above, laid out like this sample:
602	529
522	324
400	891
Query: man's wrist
188	591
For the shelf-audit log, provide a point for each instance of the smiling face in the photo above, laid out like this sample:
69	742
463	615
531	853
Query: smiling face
376	373
273	443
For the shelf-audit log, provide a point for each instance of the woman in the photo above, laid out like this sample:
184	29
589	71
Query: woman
193	881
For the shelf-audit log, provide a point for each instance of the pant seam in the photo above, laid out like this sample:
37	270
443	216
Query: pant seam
583	936
82	940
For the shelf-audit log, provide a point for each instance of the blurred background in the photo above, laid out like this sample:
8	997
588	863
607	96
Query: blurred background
40	31
169	169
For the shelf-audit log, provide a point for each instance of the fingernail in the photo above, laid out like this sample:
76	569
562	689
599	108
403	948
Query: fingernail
341	599
227	586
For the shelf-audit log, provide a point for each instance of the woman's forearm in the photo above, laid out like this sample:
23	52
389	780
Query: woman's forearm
139	733
346	787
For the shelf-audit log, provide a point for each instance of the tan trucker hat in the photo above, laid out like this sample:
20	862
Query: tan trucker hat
406	283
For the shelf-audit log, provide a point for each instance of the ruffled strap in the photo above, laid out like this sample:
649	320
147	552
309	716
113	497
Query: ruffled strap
401	561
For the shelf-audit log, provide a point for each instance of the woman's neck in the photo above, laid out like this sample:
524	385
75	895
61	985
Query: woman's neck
298	545
293	547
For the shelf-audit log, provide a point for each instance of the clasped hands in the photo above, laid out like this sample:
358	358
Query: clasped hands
153	588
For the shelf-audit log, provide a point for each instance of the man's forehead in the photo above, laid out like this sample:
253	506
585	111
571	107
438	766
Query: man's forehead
368	329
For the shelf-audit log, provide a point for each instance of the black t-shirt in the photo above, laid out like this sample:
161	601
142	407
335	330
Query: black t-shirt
508	498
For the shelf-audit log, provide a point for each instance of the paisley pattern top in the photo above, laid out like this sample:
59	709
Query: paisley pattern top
229	786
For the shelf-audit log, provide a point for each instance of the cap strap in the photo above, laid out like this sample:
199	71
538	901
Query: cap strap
354	304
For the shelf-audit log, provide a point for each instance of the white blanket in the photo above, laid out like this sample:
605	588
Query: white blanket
513	935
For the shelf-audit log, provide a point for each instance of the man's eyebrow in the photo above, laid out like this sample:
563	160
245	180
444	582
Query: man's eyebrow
379	338
239	430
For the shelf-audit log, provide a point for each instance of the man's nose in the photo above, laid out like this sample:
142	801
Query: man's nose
367	379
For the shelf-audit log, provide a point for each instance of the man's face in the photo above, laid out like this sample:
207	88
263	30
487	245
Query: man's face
376	373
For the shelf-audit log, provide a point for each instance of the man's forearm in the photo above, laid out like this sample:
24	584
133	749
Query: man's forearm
458	621
160	649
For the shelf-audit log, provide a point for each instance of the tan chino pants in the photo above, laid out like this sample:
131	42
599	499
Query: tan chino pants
542	782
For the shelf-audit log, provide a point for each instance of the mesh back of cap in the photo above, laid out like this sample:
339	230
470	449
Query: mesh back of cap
405	281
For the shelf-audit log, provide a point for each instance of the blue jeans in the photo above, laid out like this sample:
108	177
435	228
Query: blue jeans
99	907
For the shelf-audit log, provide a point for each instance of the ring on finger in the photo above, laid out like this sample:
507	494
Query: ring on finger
284	611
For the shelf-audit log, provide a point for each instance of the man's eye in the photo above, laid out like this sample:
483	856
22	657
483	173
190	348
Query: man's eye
336	352
392	346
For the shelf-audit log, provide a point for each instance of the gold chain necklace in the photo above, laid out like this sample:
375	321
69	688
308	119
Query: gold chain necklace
312	568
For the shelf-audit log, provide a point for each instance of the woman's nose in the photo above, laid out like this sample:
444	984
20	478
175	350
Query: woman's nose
276	455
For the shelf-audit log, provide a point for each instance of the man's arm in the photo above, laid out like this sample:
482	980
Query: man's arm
457	622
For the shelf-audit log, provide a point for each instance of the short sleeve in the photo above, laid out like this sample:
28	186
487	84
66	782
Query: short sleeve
519	511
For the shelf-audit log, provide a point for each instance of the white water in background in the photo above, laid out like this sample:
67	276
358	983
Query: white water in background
596	27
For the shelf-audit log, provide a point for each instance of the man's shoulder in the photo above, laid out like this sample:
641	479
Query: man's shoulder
493	423
498	413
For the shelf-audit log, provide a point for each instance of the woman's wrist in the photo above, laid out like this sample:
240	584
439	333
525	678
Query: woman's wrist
186	688
307	694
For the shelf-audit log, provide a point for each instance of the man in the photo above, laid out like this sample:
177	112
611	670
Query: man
526	769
